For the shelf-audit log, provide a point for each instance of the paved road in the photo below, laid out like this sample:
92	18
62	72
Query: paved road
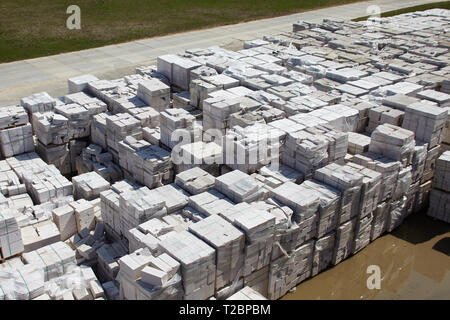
22	78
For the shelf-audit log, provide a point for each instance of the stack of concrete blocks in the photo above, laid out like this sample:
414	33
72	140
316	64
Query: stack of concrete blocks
350	117
22	283
329	207
84	214
441	98
152	135
263	114
144	276
12	263
78	119
323	253
397	214
119	127
42	212
75	149
399	101
98	130
55	259
140	237
175	198
217	112
258	280
19	202
16	134
289	270
195	180
95	158
417	170
46	184
258	227
202	71
181	100
403	87
380	220
337	141
108	257
384	115
358	143
272	176
160	228
57	155
107	90
239	187
79	283
151	72
403	184
286	234
305	104
93	105
88	186
64	218
138	206
363	109
305	208
148	116
199	91
77	84
178	127
10	184
10	236
197	259
348	182
205	155
52	132
210	202
370	193
430	162
154	93
39	235
393	142
177	69
427	121
307	120
250	148
38	102
247	293
331	118
345	233
388	168
440	194
229	244
305	152
144	163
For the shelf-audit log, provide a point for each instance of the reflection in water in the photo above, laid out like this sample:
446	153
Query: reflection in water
414	262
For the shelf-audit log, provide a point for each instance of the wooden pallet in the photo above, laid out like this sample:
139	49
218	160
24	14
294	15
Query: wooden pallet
3	260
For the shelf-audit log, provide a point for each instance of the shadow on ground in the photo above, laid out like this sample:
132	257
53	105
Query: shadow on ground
443	246
419	228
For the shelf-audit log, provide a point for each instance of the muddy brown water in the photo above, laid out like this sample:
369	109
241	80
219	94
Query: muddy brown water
414	261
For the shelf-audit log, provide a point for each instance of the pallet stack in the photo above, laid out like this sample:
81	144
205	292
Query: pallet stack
440	194
16	135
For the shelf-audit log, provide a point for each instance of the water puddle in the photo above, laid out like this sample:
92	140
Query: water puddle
414	261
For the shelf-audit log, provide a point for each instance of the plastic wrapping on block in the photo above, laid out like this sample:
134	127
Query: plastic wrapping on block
289	270
24	283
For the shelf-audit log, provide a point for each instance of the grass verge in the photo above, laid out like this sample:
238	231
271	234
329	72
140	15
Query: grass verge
440	5
35	28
